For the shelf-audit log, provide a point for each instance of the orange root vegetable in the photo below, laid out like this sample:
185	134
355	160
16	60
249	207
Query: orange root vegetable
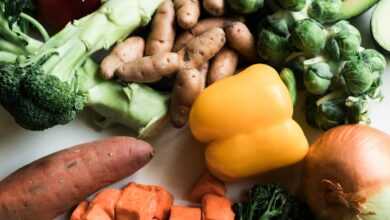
202	48
346	174
182	40
242	40
217	208
187	13
52	185
136	202
80	211
214	7
223	65
187	88
162	35
96	213
185	213
143	202
127	51
105	200
207	184
150	69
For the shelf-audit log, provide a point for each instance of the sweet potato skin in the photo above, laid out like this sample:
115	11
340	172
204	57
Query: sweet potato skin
52	185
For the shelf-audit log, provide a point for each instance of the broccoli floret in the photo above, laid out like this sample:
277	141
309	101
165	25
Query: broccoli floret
48	84
271	202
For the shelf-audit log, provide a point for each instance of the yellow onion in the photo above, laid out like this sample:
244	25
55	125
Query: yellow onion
347	174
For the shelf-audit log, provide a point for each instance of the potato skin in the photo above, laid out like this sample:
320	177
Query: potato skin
214	7
162	36
182	40
223	65
202	48
187	13
52	185
242	40
129	50
149	69
187	88
209	23
203	71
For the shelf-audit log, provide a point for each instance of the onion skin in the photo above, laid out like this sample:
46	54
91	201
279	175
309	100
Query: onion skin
347	174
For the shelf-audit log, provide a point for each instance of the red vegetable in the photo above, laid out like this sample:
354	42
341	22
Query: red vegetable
55	14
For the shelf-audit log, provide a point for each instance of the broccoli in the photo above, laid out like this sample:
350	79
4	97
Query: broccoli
271	202
48	84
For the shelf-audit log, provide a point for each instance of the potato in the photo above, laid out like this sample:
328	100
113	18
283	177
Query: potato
204	70
223	65
209	23
214	7
182	40
52	185
202	48
129	50
162	35
240	38
187	88
150	69
187	13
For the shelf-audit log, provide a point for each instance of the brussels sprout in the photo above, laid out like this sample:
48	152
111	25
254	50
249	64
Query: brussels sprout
246	6
325	11
288	77
292	5
308	36
375	60
318	78
326	112
272	47
357	108
344	41
280	22
357	77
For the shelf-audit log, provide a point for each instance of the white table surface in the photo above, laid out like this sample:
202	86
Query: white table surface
179	159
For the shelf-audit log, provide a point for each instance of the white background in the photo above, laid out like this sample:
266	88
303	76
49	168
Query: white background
179	159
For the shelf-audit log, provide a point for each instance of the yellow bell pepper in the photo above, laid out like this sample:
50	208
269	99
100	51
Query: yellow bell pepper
246	120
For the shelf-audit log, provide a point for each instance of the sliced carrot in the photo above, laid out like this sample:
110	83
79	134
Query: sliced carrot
137	202
185	213
164	203
80	211
207	184
217	208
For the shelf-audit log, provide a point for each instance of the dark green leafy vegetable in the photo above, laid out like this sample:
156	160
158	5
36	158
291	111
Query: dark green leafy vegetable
271	202
357	76
272	47
318	78
246	6
293	5
325	11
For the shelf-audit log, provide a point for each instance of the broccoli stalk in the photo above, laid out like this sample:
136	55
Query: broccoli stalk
43	85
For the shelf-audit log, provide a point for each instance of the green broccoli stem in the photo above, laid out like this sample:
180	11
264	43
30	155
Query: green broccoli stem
7	57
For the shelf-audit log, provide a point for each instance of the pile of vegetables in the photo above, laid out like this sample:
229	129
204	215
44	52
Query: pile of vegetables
325	53
48	84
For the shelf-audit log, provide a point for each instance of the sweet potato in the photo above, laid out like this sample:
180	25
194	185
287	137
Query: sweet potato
202	48
149	69
187	88
80	211
207	184
54	184
162	35
141	202
96	213
187	13
185	213
217	208
214	7
127	51
105	200
223	65
240	38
